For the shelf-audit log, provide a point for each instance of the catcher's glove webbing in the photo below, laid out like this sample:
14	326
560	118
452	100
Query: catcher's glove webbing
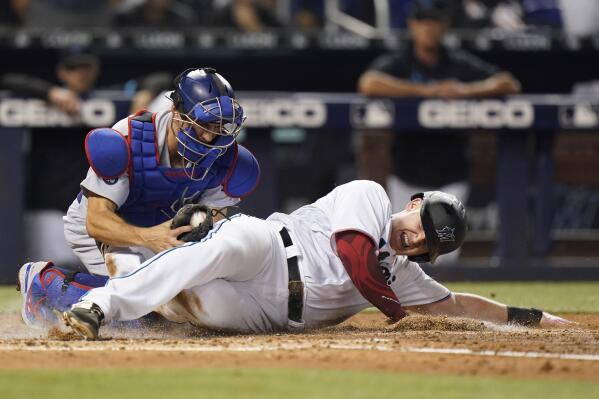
191	214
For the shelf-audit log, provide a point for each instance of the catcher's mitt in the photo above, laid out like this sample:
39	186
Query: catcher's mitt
196	215
201	219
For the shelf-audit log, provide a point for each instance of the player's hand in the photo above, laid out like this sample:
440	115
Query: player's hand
65	99
549	320
160	238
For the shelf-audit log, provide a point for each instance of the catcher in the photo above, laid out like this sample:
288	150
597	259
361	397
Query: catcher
313	268
142	170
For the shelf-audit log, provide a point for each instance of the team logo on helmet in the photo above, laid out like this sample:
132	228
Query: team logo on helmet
446	234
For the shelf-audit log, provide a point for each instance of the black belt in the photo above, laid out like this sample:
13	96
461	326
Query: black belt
296	287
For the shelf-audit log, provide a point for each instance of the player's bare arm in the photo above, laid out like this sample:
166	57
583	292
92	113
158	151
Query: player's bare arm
376	83
477	307
106	226
65	99
465	305
500	84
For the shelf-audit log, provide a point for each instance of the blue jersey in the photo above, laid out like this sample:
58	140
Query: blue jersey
156	191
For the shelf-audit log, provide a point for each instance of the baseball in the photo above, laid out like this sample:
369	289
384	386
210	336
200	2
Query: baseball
197	218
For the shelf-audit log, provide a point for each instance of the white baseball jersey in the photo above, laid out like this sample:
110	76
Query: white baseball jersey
236	277
330	294
117	190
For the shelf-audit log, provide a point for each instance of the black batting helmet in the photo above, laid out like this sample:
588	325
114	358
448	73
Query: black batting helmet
444	221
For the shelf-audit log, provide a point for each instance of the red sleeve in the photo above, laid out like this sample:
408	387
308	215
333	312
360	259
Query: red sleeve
357	253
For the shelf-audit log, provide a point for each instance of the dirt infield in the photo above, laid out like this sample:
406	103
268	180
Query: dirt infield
417	344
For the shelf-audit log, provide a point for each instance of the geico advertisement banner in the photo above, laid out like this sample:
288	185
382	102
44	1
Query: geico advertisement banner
16	112
337	112
306	113
486	114
280	112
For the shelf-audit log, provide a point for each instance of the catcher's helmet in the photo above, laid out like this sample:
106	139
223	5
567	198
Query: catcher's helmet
444	221
202	97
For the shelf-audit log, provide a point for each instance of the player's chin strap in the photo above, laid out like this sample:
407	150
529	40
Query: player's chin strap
224	211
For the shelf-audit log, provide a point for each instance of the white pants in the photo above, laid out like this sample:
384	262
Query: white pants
234	279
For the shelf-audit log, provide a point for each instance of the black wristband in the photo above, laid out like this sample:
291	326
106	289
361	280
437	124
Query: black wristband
524	316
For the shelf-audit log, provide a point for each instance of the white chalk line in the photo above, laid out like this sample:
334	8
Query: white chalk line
543	355
82	347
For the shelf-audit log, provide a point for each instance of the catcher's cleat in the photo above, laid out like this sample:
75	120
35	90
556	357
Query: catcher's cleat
33	309
85	319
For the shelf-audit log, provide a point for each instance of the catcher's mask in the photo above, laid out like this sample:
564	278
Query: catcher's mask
205	102
443	218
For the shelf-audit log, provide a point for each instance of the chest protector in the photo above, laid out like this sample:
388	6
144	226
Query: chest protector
156	192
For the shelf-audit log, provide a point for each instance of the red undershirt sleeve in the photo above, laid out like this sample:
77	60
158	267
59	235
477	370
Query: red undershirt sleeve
357	253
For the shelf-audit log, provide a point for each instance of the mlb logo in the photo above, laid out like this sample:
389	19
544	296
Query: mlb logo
581	116
373	114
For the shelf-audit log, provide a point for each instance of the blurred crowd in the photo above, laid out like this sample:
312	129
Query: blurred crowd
576	16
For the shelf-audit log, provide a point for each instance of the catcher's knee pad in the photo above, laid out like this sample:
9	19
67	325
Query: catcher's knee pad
56	289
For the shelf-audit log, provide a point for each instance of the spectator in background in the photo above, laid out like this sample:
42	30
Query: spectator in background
77	74
12	12
158	13
476	14
542	13
69	13
247	15
424	68
307	14
505	14
53	180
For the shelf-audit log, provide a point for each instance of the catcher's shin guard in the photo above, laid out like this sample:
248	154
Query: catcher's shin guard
47	289
33	311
